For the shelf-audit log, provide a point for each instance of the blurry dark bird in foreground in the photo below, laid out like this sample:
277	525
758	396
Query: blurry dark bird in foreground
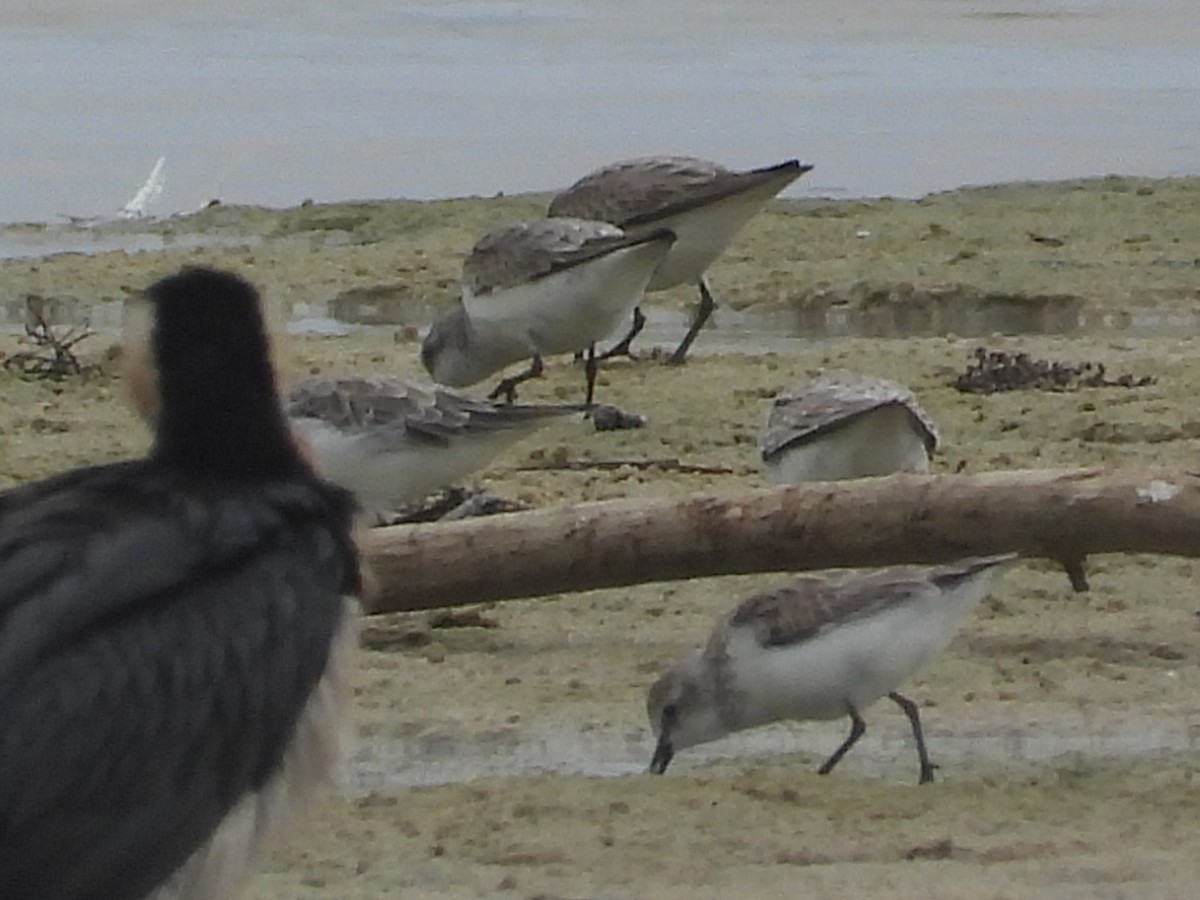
175	631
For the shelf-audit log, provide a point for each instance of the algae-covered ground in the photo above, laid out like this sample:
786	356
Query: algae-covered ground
502	749
1117	245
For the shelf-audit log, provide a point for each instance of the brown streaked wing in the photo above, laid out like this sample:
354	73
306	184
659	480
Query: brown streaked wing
802	608
355	403
517	254
452	413
948	577
636	187
398	411
832	401
808	604
642	191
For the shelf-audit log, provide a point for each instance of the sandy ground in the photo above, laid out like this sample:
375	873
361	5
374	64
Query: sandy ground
501	752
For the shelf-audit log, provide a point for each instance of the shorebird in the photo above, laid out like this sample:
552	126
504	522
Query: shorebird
393	442
817	648
845	426
702	202
175	631
531	290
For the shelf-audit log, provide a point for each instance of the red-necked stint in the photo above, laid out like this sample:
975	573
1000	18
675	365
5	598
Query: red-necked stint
845	426
176	632
393	442
818	647
544	287
702	202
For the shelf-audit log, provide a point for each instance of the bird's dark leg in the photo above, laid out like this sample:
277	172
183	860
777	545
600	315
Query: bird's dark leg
621	348
910	710
508	387
591	366
1077	573
703	311
857	727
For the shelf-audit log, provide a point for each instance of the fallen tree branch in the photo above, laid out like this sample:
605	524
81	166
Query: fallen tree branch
1056	514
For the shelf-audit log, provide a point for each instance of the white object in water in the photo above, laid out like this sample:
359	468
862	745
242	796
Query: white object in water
147	193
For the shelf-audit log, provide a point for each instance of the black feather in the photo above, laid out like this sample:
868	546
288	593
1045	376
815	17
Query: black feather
163	622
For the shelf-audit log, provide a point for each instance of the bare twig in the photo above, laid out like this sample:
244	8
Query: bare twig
54	357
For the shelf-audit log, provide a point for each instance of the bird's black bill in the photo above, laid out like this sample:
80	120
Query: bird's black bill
663	754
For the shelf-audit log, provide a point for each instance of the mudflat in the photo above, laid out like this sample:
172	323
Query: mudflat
502	748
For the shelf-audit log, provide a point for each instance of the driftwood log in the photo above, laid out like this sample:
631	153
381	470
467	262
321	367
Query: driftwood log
1060	515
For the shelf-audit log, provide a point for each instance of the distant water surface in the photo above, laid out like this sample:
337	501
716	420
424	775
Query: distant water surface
271	102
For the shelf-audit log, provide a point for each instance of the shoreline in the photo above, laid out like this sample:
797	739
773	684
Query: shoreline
154	222
1017	257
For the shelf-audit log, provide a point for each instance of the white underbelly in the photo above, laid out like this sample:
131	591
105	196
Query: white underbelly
382	478
852	665
703	234
569	310
882	442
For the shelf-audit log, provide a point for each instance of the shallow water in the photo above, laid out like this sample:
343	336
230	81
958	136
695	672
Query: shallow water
24	243
269	103
784	333
796	330
886	750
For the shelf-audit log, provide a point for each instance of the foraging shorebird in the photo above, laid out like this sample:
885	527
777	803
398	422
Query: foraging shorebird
703	203
817	648
393	442
845	426
175	631
548	286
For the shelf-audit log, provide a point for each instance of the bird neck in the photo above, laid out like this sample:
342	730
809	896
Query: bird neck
237	434
218	411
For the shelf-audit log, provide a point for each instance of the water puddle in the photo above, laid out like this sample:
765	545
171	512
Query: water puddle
32	242
734	331
885	751
756	334
794	331
936	312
